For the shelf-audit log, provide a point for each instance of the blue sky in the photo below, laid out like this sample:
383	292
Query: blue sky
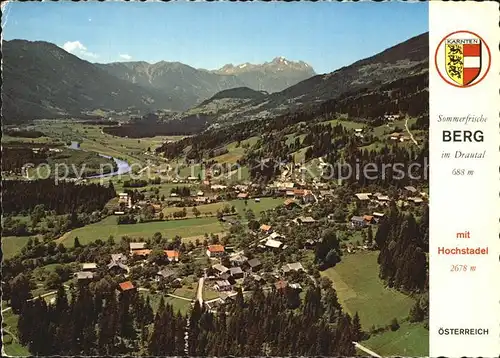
326	35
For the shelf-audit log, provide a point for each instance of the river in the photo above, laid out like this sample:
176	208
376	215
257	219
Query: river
122	166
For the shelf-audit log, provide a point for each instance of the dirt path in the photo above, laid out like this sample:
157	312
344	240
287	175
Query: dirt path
199	294
366	350
408	130
179	297
63	237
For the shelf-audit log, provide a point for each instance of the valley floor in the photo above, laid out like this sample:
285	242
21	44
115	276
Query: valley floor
355	278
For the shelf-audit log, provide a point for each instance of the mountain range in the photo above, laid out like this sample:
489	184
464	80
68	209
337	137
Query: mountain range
186	82
199	84
41	80
380	76
272	76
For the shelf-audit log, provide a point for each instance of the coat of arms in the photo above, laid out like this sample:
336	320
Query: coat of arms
463	60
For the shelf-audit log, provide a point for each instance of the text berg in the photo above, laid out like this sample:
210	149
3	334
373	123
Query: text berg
463	136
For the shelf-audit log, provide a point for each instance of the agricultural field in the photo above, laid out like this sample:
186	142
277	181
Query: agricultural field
209	294
41	140
299	156
184	306
239	205
163	188
92	138
108	227
239	175
207	209
256	206
360	290
166	188
410	340
353	237
397	126
346	123
190	170
12	245
195	170
188	291
235	151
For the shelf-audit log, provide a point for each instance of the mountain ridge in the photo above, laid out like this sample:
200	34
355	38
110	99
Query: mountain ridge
272	76
42	80
404	59
200	84
172	77
225	101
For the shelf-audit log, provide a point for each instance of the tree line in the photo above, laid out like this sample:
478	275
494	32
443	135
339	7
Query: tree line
184	126
408	95
412	165
14	158
63	197
403	242
25	133
274	324
94	320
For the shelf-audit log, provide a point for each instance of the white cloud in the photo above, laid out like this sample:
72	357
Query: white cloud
77	48
125	56
72	46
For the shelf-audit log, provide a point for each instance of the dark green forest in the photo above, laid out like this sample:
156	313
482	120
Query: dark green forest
62	197
97	321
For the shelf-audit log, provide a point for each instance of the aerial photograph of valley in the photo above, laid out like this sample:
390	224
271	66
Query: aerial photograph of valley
215	179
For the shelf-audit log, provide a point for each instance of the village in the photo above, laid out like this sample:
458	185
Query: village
271	252
257	234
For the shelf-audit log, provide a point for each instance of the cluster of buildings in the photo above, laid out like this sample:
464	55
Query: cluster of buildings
398	137
139	249
409	194
365	220
118	263
225	279
391	117
87	272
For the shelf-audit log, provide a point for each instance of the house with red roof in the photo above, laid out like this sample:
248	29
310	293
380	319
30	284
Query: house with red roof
172	255
215	250
126	286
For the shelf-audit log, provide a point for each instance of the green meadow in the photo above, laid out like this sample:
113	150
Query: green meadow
12	245
108	227
360	290
410	340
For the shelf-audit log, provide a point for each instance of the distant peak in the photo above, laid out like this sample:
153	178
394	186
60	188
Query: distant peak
279	59
278	63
